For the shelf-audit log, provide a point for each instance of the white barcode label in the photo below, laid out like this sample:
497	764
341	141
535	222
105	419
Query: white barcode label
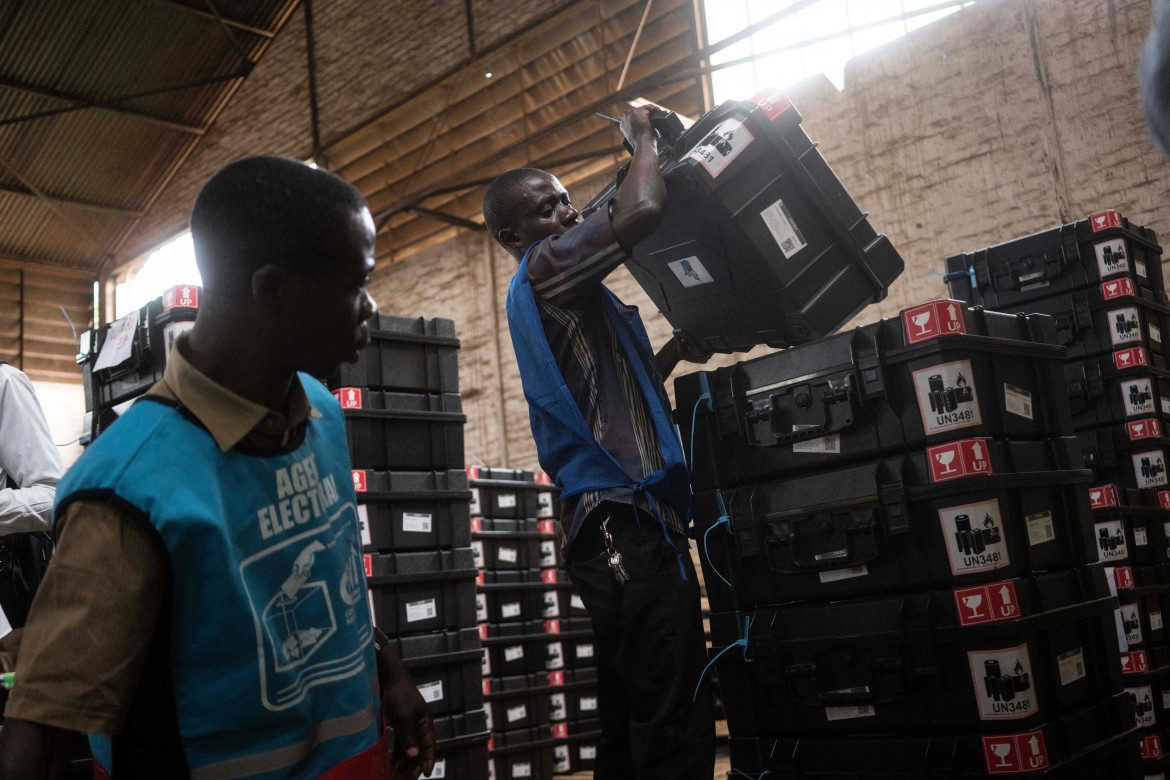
1040	528
824	444
514	653
522	770
1155	333
1156	621
587	752
588	704
1017	401
575	602
844	574
431	692
1140	538
519	712
416	522
510	610
364	523
584	651
506	500
1140	267
1166	700
846	713
1166	405
1071	665
507	554
420	610
440	770
783	229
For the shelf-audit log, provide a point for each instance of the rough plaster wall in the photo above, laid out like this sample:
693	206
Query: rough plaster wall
1007	118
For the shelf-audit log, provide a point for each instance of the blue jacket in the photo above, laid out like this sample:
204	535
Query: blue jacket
271	656
567	449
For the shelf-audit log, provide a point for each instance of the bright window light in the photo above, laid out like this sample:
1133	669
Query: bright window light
171	264
819	38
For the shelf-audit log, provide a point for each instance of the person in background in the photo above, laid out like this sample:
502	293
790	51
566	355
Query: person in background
603	430
206	613
1154	75
30	468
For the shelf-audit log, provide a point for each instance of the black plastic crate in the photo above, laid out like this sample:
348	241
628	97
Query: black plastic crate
577	752
1062	259
938	371
1132	455
921	662
572	644
958	513
402	431
512	709
505	550
514	648
445	667
1109	317
1144	531
461	746
510	603
1139	617
521	754
412	593
759	243
1146	676
1098	741
401	511
1100	393
415	354
151	331
503	493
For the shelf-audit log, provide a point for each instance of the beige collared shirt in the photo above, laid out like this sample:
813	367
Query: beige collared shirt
95	613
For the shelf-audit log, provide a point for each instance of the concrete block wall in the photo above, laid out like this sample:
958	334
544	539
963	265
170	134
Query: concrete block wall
1006	118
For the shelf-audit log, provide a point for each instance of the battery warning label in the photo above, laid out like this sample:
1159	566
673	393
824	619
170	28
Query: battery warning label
1149	468
1125	325
722	145
1111	257
946	397
974	537
1002	681
1137	396
1110	538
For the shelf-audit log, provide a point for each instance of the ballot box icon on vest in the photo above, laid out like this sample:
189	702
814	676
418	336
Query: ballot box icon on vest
304	592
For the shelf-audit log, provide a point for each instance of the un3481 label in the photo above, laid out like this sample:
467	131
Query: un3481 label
1137	395
947	399
974	536
1003	684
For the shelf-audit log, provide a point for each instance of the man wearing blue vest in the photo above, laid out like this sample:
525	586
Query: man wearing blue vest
603	431
206	612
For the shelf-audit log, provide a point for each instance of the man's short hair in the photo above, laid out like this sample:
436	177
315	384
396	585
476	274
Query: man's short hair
269	210
502	197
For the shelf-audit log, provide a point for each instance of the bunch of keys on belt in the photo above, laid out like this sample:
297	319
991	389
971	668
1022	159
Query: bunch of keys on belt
615	558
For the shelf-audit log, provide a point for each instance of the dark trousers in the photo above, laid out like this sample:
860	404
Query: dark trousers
650	648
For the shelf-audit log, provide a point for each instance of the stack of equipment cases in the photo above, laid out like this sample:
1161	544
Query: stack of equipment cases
894	524
1101	279
538	671
405	429
121	361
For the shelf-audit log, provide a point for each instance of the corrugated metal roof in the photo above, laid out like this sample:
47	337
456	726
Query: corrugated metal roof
98	103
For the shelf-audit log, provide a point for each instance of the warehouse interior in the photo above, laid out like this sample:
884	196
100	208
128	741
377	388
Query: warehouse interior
953	125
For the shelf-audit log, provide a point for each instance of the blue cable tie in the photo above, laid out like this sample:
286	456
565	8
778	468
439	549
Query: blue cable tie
741	642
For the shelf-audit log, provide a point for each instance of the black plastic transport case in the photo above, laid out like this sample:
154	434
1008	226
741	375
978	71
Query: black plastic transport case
421	591
1098	741
1013	656
402	431
1070	257
963	512
411	354
1107	389
938	371
400	511
760	243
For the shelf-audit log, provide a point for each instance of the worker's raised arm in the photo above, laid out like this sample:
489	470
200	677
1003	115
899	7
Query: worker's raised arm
639	201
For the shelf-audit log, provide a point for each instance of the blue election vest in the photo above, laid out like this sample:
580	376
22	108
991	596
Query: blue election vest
567	449
271	641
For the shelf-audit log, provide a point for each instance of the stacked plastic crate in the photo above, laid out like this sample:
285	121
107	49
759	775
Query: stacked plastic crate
1101	278
404	423
894	522
538	669
121	361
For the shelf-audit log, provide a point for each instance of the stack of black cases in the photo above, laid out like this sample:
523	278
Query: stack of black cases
539	668
1101	279
136	348
895	530
404	424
